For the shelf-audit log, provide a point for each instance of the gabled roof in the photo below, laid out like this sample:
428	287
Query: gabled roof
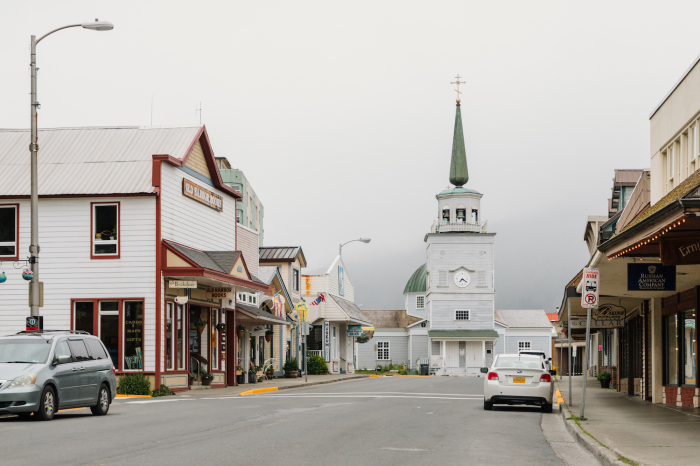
417	282
267	276
553	316
391	319
98	160
270	254
261	314
527	318
212	260
350	309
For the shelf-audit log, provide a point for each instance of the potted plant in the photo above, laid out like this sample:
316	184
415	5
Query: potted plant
258	371
291	368
240	330
201	325
192	377
240	375
270	372
207	378
252	375
221	326
604	379
268	336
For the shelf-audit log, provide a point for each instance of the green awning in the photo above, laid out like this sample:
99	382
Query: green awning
462	334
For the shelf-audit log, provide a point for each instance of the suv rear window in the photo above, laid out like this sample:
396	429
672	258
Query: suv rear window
96	348
528	362
79	350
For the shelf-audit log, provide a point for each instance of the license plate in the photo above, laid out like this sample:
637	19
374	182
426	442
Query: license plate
518	379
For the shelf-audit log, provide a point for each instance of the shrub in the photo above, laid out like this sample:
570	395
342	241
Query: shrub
162	391
604	376
364	338
291	365
134	384
316	365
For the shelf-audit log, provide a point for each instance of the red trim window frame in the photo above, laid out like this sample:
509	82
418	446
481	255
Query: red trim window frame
93	233
176	329
16	256
96	327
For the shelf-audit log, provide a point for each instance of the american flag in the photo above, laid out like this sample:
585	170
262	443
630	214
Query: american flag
318	300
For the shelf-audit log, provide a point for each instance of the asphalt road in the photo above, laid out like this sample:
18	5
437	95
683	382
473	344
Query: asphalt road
388	421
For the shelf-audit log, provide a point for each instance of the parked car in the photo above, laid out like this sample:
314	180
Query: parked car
547	361
41	373
518	379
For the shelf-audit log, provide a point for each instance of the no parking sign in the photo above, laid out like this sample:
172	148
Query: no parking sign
589	288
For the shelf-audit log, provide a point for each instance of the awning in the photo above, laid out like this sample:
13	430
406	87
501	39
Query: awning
354	314
464	334
251	313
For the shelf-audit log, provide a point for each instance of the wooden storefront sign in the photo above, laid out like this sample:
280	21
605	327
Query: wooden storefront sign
203	195
219	293
651	277
182	284
680	251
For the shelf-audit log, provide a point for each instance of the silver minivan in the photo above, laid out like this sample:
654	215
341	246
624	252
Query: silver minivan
43	372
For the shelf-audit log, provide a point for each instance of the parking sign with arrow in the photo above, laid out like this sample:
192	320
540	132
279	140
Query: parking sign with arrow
590	287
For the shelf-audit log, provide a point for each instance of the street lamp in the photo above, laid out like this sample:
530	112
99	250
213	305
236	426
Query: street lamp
34	148
364	240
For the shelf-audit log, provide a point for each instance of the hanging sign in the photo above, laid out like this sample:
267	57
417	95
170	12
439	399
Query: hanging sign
354	331
680	251
651	277
327	341
202	195
302	309
182	284
589	291
219	293
609	312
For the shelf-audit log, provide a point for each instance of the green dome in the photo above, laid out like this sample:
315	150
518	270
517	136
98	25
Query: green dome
459	191
416	284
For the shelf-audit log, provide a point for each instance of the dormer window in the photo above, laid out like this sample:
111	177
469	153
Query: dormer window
446	214
475	216
461	214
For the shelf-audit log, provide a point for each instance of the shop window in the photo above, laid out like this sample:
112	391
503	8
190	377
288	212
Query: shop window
9	235
461	314
420	302
105	230
671	349
295	280
170	336
383	350
688	346
104	319
335	342
214	339
181	337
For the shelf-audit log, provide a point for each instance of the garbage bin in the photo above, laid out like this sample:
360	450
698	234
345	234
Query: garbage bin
424	369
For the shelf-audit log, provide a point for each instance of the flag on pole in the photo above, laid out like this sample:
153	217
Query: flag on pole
318	300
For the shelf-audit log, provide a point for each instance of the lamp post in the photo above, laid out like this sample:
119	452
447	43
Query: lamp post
364	240
34	148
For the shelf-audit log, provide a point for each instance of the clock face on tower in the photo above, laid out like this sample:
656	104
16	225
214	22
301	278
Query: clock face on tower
462	279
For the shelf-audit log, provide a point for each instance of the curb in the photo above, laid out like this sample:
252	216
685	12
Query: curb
134	396
258	390
606	456
324	382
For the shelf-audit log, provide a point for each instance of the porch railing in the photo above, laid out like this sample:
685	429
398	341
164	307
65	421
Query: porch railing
314	352
441	227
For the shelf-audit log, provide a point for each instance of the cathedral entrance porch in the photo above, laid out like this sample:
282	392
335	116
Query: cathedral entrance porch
459	358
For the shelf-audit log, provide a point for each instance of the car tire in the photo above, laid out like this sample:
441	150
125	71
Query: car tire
47	406
547	408
488	406
102	406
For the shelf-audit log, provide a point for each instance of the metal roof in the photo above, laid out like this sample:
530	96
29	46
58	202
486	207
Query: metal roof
219	261
261	314
350	309
417	282
459	190
97	160
390	319
535	318
281	254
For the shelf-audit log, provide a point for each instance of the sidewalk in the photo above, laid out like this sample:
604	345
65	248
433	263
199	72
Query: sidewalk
646	433
281	383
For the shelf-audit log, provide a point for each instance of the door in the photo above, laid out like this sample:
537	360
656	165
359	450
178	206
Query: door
87	378
452	356
472	356
67	377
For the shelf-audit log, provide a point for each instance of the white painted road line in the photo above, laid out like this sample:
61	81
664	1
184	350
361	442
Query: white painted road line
157	401
473	398
403	449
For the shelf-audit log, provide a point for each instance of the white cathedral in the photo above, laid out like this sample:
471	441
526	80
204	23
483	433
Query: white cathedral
449	322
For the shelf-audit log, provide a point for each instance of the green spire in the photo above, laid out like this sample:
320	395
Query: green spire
459	175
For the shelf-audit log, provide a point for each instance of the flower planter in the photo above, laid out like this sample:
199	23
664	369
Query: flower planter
605	383
200	328
206	382
291	374
241	333
240	379
252	378
270	374
268	338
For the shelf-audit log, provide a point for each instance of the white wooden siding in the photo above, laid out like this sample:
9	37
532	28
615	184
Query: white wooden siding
480	313
419	348
248	241
68	272
398	352
191	223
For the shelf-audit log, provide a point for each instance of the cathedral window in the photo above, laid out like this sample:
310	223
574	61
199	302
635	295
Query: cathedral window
420	302
461	214
446	214
475	216
461	314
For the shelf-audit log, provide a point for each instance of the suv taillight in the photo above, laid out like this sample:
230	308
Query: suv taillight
545	378
492	376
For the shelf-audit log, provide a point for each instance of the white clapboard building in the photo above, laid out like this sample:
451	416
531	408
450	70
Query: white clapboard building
136	231
448	322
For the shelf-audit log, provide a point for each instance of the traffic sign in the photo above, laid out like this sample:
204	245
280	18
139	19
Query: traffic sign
590	288
35	324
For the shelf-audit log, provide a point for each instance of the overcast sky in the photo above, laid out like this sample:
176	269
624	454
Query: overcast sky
341	113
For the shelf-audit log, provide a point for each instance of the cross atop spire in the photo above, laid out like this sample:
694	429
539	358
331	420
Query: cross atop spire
458	82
